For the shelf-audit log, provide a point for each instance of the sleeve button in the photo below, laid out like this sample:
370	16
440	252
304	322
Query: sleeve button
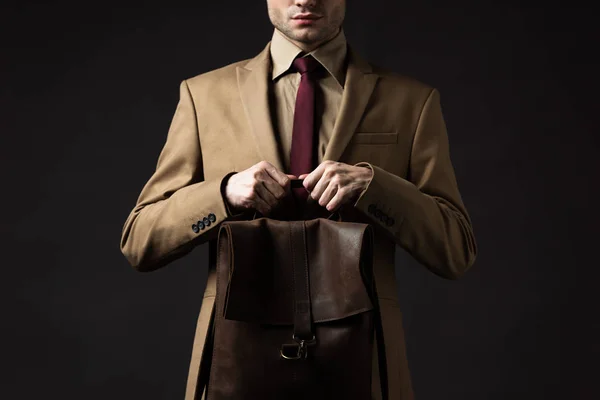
212	217
195	228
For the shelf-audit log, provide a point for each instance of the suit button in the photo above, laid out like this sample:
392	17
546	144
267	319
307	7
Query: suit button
372	208
195	228
200	224
206	221
212	217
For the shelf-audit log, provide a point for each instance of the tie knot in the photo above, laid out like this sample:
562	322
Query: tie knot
306	64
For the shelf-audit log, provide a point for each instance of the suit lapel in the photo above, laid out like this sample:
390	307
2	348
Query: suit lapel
253	82
358	87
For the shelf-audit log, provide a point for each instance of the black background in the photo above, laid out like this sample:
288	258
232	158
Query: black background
87	94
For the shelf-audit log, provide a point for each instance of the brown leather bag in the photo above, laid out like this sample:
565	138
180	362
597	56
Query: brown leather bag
296	312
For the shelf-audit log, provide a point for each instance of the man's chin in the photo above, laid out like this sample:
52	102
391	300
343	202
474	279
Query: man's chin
307	35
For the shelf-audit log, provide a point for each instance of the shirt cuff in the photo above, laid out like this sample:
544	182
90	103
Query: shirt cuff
367	165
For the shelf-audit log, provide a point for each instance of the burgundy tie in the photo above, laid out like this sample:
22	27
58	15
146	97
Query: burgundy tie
302	159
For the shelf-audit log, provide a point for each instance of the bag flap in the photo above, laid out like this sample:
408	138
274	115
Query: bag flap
260	288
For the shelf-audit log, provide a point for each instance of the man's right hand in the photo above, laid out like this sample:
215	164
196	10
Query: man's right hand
260	187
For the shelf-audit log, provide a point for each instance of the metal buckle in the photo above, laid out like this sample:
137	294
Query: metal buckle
298	350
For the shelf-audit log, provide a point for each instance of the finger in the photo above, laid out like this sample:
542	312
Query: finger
337	201
319	188
277	182
262	178
275	191
312	178
266	195
328	178
261	205
278	176
327	195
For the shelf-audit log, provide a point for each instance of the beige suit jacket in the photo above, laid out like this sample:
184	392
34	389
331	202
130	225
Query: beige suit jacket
387	122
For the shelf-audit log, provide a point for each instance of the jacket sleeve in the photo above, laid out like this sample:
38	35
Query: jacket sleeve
164	224
424	214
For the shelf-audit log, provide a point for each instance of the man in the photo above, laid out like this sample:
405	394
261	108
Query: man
380	155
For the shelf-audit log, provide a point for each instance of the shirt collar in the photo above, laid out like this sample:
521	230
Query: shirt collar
331	55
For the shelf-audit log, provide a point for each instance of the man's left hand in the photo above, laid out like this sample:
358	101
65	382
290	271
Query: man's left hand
334	184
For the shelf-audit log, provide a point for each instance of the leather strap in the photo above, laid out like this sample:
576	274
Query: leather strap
302	307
